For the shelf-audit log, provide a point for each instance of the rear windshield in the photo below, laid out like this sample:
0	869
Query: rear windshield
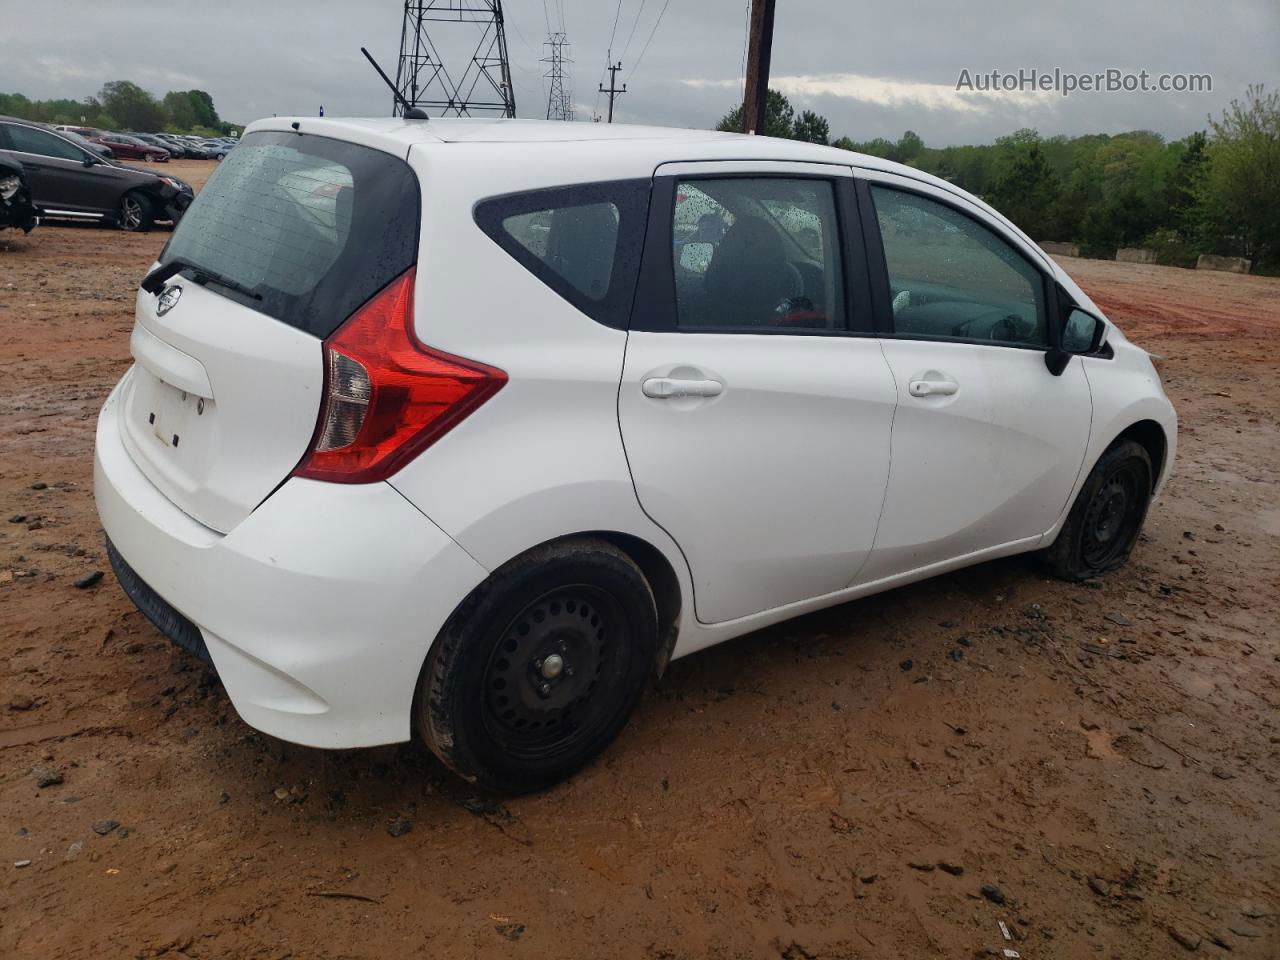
313	226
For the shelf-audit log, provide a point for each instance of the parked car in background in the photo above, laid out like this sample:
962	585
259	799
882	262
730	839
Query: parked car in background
200	147
153	140
87	132
127	147
177	146
101	149
637	397
17	210
218	148
69	180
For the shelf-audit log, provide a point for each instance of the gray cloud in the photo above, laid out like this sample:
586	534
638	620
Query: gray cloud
873	70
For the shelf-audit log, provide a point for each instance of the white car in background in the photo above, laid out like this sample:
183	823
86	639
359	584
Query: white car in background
466	427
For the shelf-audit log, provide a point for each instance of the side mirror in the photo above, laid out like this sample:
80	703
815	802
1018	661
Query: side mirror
1082	333
695	256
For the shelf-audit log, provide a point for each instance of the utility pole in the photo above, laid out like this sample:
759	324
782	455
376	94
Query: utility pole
613	90
756	95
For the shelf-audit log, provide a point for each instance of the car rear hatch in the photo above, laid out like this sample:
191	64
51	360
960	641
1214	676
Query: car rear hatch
290	236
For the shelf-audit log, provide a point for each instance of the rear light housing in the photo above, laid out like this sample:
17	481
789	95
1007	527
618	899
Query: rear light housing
387	395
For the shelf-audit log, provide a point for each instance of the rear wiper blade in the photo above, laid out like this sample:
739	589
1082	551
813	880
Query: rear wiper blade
155	280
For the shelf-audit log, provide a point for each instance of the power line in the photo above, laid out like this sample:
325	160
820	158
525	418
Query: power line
634	23
650	40
520	34
616	16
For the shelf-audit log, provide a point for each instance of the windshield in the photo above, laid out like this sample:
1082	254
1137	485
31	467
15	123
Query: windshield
313	226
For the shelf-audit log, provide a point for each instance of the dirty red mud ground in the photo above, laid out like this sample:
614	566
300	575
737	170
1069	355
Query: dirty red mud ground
1106	755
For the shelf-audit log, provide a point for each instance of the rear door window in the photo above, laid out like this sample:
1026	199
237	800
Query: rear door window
582	241
311	227
42	144
757	254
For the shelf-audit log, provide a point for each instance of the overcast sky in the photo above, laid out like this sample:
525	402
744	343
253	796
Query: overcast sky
874	69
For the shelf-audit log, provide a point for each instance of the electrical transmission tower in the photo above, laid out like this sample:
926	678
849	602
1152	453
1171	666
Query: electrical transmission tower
480	85
559	95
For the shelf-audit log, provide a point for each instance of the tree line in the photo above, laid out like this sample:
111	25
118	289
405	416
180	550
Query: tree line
122	105
1215	191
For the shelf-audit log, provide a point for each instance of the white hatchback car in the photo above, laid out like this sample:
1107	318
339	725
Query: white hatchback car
469	427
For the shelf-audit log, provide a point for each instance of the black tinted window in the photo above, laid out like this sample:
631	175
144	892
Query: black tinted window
313	226
583	241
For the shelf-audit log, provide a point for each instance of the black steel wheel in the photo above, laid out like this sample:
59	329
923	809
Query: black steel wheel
540	667
545	680
1107	516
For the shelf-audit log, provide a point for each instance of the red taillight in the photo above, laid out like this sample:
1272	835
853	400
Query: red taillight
388	396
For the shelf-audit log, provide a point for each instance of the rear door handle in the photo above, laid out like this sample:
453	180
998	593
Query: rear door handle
932	388
662	388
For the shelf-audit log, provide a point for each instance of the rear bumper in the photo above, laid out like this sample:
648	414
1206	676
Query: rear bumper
317	611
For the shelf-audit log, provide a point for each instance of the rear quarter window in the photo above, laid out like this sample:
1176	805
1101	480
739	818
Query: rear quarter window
312	226
582	241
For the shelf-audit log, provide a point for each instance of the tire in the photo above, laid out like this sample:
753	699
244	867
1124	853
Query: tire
1107	516
135	213
540	667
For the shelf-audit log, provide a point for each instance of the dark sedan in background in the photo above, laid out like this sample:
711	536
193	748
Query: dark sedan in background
69	181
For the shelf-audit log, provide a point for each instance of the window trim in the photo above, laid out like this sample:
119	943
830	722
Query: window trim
632	197
655	309
879	266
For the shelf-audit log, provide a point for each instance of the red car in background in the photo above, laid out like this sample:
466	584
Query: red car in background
131	148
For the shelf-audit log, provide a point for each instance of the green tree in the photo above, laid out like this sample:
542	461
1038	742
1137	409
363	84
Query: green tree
202	103
1240	199
1186	186
779	117
179	112
131	105
908	147
879	147
1027	190
812	128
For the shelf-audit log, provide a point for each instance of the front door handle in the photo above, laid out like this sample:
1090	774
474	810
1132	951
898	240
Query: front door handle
662	388
932	388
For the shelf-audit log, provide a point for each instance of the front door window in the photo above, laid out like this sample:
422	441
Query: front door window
953	279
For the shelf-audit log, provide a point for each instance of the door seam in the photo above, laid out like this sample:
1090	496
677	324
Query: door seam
626	458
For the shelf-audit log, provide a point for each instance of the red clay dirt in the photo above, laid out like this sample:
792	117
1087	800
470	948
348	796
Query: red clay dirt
844	785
